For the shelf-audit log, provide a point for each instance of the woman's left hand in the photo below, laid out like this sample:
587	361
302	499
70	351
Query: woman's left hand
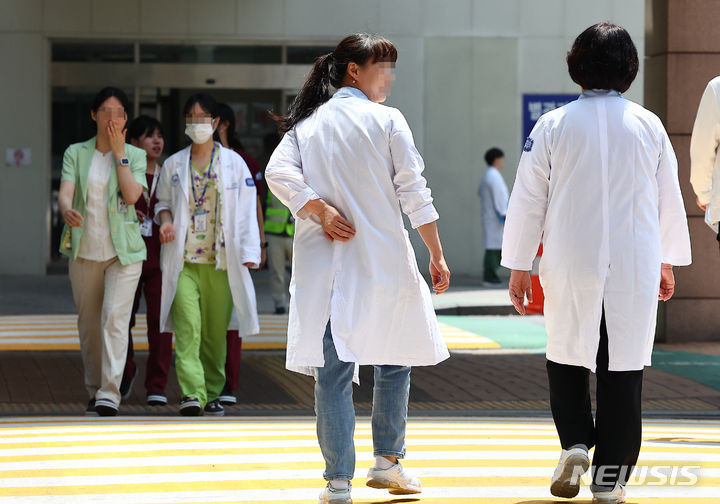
667	282
520	286
117	139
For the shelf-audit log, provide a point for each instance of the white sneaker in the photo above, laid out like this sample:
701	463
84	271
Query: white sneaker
332	496
566	479
395	479
616	495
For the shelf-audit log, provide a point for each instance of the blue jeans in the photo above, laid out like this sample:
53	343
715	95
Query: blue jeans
335	411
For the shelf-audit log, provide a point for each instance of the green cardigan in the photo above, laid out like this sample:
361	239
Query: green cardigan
124	227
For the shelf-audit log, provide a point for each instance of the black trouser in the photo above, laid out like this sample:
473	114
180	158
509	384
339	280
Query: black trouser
491	264
617	430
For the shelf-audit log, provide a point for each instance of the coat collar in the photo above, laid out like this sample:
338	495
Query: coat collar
592	93
184	169
348	91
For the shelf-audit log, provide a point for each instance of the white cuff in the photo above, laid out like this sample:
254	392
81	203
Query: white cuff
424	215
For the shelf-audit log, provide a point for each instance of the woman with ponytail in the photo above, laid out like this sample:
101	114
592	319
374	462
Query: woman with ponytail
345	168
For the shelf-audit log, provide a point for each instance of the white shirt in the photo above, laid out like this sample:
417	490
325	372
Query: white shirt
598	181
493	194
96	242
358	156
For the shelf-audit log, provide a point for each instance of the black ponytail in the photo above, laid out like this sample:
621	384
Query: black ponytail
330	70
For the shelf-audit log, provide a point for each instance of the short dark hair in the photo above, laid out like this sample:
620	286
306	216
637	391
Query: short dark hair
109	92
492	154
206	102
603	57
143	125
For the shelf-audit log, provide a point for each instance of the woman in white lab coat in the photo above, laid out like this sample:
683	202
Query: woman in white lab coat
208	227
597	181
345	168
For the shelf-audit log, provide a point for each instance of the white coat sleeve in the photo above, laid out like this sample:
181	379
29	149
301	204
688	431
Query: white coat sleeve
410	186
246	213
674	234
525	218
163	191
704	144
284	176
499	195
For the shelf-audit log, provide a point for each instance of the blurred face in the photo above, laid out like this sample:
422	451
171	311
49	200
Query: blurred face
197	115
499	163
373	79
111	110
153	144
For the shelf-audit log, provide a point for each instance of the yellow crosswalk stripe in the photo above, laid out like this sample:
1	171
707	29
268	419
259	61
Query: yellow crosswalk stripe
59	332
163	460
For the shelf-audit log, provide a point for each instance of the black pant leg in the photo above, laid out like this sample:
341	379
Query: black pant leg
618	419
570	404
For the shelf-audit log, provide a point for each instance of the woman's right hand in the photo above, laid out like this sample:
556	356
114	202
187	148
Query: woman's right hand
440	274
335	226
167	232
72	218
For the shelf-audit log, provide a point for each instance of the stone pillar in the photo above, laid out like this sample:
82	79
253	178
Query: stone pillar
682	47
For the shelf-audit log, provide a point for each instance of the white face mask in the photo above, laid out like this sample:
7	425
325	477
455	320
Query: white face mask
199	133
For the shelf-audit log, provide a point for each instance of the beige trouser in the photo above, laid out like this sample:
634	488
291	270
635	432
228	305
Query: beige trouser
279	253
104	294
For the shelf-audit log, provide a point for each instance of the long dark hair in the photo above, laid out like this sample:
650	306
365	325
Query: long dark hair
331	69
227	114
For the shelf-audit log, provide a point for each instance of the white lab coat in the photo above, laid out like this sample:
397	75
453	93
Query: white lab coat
704	161
242	237
493	194
599	178
359	157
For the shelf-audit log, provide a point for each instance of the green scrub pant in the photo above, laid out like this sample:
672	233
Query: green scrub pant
201	314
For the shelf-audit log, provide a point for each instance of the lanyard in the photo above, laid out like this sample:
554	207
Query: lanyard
192	182
153	186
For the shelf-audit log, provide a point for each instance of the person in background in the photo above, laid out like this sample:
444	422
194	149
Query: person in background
598	182
225	134
207	211
346	168
493	194
102	178
146	132
704	161
279	230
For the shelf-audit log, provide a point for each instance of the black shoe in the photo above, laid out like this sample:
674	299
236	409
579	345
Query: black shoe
226	397
157	399
189	406
214	408
90	411
126	386
105	407
280	310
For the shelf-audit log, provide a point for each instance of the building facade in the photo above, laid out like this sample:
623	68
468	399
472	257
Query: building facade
463	68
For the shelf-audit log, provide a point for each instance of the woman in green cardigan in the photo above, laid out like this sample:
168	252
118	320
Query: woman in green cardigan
101	180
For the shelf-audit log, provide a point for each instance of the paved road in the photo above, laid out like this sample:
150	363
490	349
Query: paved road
469	461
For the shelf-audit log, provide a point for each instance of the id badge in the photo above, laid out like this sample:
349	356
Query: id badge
146	228
200	219
122	205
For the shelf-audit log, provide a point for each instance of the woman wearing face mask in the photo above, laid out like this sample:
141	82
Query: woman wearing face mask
208	227
146	132
102	178
345	168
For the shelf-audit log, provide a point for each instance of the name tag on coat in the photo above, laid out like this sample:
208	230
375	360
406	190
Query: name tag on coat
231	186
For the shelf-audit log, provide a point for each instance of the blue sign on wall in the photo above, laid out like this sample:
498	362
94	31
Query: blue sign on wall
535	105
